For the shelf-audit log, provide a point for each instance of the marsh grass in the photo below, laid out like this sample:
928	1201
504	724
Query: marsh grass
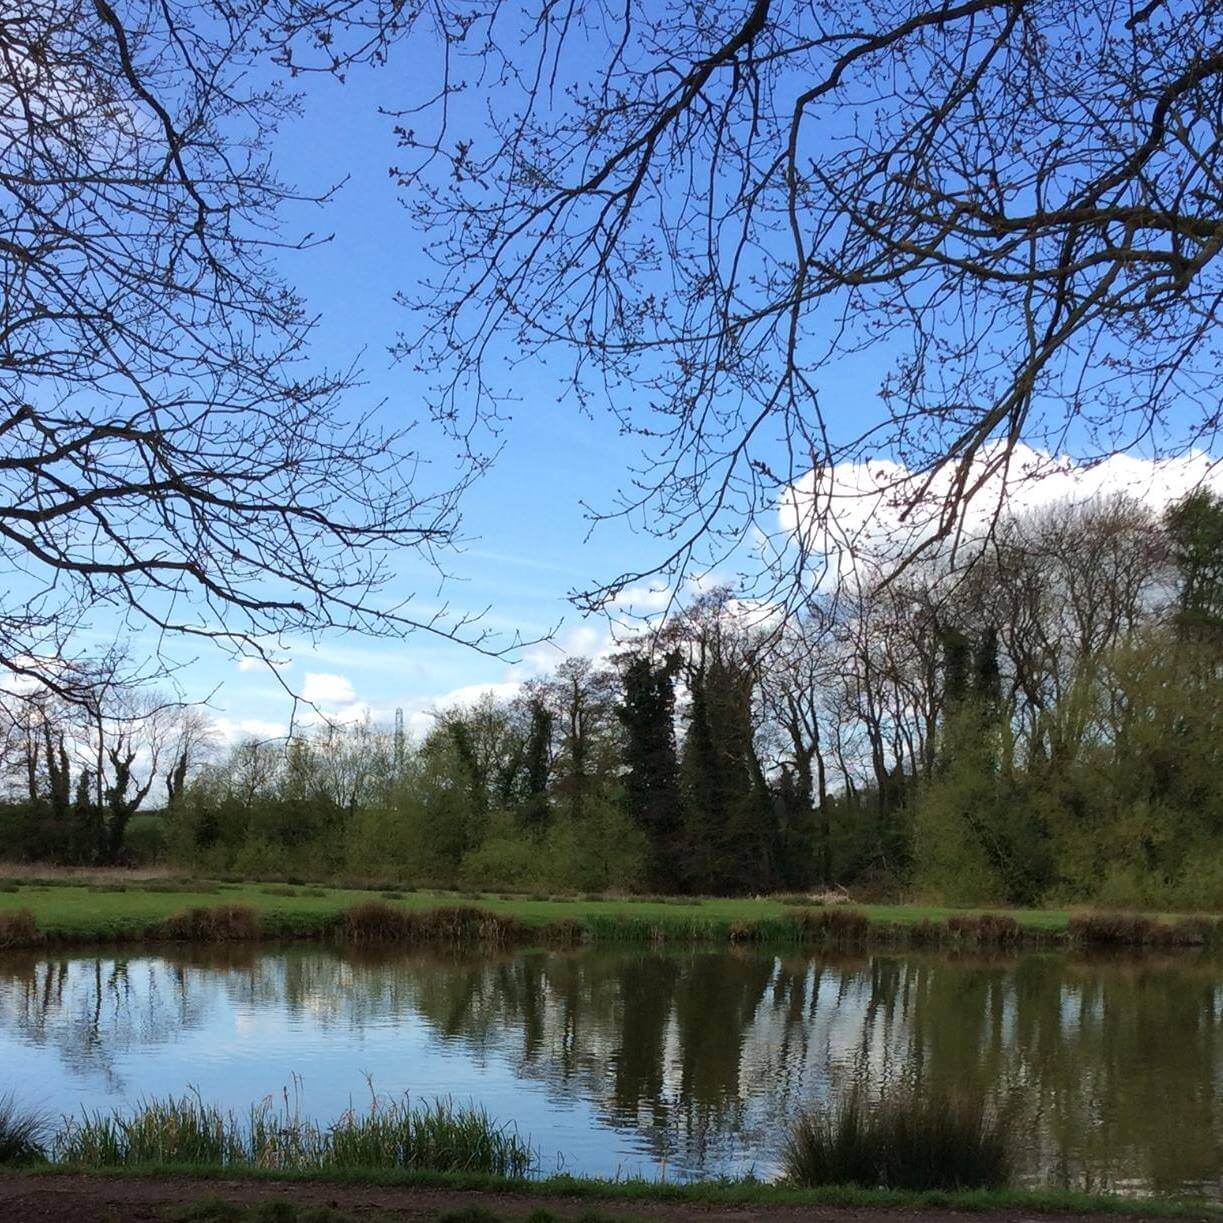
912	1143
23	1133
184	1131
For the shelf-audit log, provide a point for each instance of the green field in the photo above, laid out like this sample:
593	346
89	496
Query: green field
110	910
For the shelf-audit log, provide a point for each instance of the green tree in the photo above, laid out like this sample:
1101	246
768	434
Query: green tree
647	713
1194	527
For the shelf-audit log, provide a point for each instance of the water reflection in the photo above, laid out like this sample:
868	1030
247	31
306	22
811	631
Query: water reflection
686	1063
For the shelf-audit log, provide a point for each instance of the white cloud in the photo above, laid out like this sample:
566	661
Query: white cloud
248	663
327	690
640	600
593	640
420	716
234	730
863	512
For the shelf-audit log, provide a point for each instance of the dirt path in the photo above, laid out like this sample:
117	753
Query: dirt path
88	1199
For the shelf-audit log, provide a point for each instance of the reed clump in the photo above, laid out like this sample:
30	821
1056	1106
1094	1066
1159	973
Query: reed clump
917	1143
375	921
185	1131
833	925
565	932
23	1134
1138	930
985	929
211	924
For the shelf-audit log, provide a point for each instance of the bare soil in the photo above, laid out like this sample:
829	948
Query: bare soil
96	1199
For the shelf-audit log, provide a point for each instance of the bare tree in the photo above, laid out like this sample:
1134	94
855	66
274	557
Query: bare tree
1009	209
167	450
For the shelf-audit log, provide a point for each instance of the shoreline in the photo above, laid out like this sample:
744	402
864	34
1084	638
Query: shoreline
70	913
421	1193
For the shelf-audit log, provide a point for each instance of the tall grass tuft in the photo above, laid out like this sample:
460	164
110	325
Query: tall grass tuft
23	1134
437	1137
177	1130
908	1143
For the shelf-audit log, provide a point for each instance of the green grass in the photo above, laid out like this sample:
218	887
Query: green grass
186	1132
68	911
84	912
724	1193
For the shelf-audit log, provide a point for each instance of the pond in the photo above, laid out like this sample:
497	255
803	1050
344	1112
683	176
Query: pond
660	1063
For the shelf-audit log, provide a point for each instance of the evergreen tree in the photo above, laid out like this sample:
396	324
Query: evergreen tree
733	830
535	811
1194	528
647	713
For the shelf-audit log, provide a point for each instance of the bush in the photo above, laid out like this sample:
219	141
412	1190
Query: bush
145	840
908	1143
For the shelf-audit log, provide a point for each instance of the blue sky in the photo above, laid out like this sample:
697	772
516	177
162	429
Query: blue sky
527	536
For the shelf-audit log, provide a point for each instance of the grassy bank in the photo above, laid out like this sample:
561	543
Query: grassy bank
723	1193
905	1154
34	910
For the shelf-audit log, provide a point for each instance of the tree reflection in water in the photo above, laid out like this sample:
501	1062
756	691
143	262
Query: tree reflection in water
1109	1066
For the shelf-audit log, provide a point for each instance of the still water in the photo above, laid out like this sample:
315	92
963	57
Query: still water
655	1063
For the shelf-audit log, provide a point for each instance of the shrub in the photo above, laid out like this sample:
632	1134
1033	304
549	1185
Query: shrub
145	840
914	1143
220	923
22	1133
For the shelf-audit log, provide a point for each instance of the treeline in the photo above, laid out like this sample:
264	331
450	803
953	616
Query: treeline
1040	720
